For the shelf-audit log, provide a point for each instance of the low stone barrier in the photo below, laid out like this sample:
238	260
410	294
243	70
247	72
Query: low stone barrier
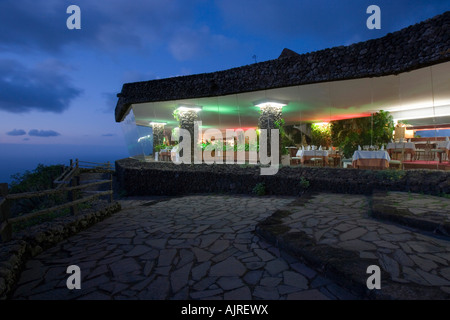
413	210
32	241
138	178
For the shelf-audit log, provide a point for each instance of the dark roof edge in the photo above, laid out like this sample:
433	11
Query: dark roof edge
423	44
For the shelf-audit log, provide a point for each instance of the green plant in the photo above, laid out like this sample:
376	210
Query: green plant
304	183
349	133
284	138
39	179
162	146
175	134
158	148
285	142
246	147
176	114
203	145
321	134
279	124
259	189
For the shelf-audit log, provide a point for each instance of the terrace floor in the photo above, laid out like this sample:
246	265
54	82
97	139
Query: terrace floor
205	247
338	233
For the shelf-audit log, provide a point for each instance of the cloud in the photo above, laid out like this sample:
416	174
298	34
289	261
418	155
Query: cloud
45	87
16	132
323	22
104	25
108	135
191	43
43	133
147	25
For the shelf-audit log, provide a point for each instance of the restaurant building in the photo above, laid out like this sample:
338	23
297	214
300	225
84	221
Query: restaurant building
406	73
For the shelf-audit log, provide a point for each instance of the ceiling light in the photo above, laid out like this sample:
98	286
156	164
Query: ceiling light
270	103
189	108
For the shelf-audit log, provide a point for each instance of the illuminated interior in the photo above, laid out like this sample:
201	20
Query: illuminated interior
422	94
420	98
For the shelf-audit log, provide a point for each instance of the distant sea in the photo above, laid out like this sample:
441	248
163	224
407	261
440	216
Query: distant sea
17	158
433	133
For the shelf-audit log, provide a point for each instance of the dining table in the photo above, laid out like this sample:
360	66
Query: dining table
443	145
371	159
307	155
397	147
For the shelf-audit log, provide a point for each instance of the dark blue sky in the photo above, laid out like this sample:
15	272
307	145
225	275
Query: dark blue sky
58	86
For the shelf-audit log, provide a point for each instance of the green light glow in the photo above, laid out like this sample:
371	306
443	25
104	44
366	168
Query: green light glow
232	110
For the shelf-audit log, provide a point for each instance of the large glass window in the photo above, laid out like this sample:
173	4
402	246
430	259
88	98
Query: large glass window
132	137
145	139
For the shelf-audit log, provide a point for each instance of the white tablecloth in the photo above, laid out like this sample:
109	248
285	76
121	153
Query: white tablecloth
399	145
312	153
443	145
371	155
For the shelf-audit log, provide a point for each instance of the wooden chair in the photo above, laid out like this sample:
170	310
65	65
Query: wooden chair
419	154
428	154
296	160
398	164
439	153
331	161
317	162
346	163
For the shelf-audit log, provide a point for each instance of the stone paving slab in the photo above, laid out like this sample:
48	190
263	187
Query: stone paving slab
192	247
335	233
425	212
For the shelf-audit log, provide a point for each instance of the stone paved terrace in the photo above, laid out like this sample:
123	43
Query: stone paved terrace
337	232
205	247
192	247
412	209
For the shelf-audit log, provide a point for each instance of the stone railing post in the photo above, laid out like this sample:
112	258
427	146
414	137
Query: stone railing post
186	121
268	118
158	134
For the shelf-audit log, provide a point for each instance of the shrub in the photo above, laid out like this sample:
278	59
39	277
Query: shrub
259	189
39	179
304	183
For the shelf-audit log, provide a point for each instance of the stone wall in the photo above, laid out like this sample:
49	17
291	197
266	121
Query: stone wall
32	241
166	178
